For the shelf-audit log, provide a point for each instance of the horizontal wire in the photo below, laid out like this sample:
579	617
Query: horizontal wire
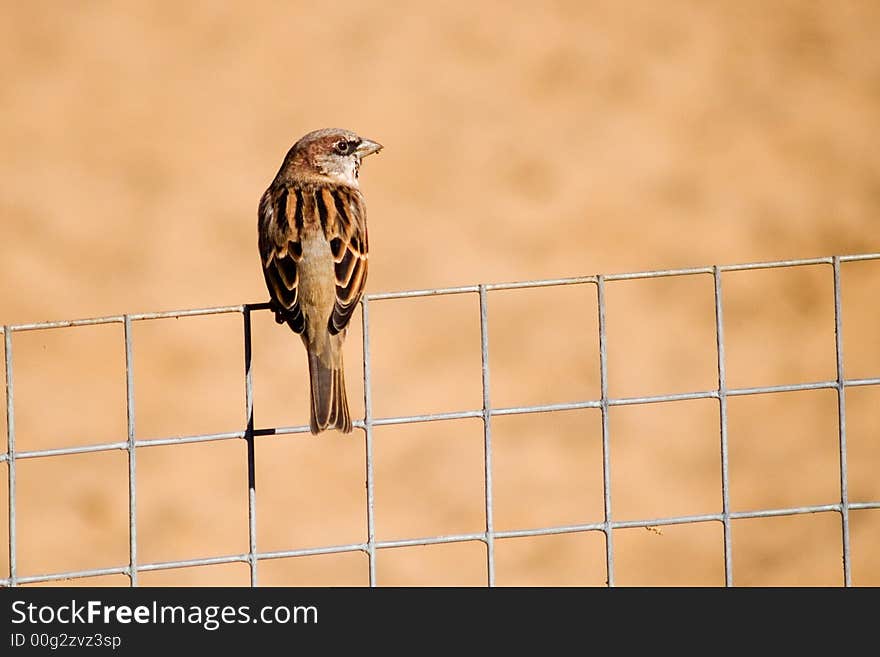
635	275
311	552
863	505
451	538
659	399
182	440
804	262
408	294
174	314
851	383
550	282
455	415
859	257
110	319
136	317
74	574
69	451
796	387
463	289
430	417
206	561
545	408
434	540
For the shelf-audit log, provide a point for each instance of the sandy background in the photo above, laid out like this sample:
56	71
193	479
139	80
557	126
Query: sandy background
523	140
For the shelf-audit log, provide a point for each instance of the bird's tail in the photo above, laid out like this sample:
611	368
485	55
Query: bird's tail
329	407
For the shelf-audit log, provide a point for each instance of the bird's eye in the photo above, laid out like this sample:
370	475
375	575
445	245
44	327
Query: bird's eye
343	147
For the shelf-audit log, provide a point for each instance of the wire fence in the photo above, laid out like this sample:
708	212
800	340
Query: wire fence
488	537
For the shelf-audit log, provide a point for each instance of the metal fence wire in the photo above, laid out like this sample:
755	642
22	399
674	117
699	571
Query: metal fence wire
488	537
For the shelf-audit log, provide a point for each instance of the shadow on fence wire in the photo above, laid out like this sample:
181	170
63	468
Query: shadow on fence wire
489	535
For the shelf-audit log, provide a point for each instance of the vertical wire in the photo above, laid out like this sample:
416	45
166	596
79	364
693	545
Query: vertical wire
487	436
368	443
722	406
606	449
841	424
132	461
10	452
249	440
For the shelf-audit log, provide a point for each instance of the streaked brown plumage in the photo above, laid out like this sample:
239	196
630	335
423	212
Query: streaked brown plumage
313	244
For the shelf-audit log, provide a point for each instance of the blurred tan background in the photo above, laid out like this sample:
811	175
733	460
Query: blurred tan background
522	141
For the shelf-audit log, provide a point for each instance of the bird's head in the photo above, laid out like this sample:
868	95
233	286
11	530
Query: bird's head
329	155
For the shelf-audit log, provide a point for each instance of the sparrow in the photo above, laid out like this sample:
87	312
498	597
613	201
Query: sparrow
312	224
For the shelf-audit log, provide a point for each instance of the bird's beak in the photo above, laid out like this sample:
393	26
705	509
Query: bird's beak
367	147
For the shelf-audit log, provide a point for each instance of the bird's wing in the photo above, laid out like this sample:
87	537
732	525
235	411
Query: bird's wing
280	223
342	214
346	231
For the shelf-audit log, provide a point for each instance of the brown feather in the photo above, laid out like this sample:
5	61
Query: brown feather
341	213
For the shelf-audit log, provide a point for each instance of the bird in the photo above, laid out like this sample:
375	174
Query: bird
312	225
